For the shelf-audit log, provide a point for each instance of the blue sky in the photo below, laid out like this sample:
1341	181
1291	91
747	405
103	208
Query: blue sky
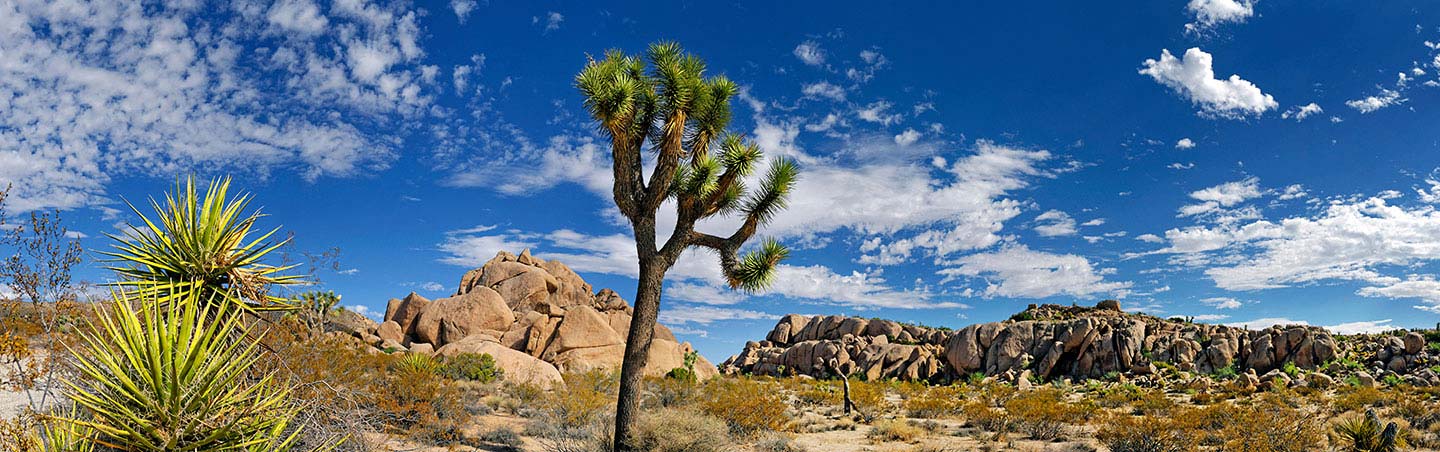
959	160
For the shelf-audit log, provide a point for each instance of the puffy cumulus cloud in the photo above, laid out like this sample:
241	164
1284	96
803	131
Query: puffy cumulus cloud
1300	112
551	21
705	315
823	90
1194	78
1185	143
1370	104
94	89
810	53
1222	302
1054	223
1016	271
695	277
1422	287
462	9
1363	327
1208	14
907	137
1216	198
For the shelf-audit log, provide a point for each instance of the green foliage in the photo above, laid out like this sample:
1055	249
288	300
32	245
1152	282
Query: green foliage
1290	369
1226	373
479	367
174	375
418	363
1392	380
1367	434
685	373
201	245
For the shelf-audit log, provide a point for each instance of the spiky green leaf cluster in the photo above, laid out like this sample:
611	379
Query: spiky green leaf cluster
175	376
666	98
201	245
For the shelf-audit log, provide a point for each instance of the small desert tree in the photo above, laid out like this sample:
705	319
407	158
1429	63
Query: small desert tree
674	111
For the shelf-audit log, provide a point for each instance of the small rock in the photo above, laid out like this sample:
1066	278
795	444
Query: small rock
1366	380
1320	381
1414	342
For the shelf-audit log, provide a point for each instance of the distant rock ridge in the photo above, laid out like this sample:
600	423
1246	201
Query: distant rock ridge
538	318
1047	342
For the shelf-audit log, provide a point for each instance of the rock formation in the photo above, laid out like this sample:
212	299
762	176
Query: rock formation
1049	341
537	318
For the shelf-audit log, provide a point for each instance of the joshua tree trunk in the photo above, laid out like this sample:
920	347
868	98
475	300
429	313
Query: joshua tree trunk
683	115
637	348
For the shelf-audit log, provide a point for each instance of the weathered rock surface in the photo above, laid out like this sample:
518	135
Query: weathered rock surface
522	306
1049	341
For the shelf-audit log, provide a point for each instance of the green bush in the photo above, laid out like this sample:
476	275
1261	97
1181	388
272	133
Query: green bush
479	367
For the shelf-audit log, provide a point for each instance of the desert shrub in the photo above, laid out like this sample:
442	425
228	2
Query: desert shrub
869	396
680	430
587	396
1419	414
1367	433
985	417
777	442
503	437
935	402
479	367
894	430
1125	433
1356	398
1272	424
685	372
818	393
669	392
1290	369
1043	413
746	405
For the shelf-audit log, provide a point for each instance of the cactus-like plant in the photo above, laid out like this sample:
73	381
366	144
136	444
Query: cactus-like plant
664	98
1368	434
175	376
200	244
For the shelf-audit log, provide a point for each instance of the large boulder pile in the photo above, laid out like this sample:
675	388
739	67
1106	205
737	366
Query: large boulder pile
1048	342
538	318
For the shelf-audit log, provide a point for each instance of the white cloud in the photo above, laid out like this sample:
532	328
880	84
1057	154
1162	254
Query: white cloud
1180	166
825	90
99	89
1363	327
1194	78
705	315
908	137
1019	272
878	112
366	311
552	21
1054	223
1370	104
696	277
1149	238
1300	112
1185	143
1260	324
1423	287
1094	222
1293	191
432	286
810	53
1222	302
1209	317
462	9
1210	13
1214	199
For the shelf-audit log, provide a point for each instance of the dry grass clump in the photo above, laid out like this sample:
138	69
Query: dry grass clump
1124	433
747	406
777	442
681	430
666	392
1358	398
1044	414
935	402
889	430
987	418
1272	424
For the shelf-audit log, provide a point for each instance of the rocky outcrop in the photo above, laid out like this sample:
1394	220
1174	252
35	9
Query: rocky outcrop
1049	341
540	315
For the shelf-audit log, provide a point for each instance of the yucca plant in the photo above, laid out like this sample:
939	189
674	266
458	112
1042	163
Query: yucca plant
62	434
664	102
1368	434
200	244
174	376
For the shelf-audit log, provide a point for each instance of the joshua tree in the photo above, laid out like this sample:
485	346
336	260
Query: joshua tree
683	115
